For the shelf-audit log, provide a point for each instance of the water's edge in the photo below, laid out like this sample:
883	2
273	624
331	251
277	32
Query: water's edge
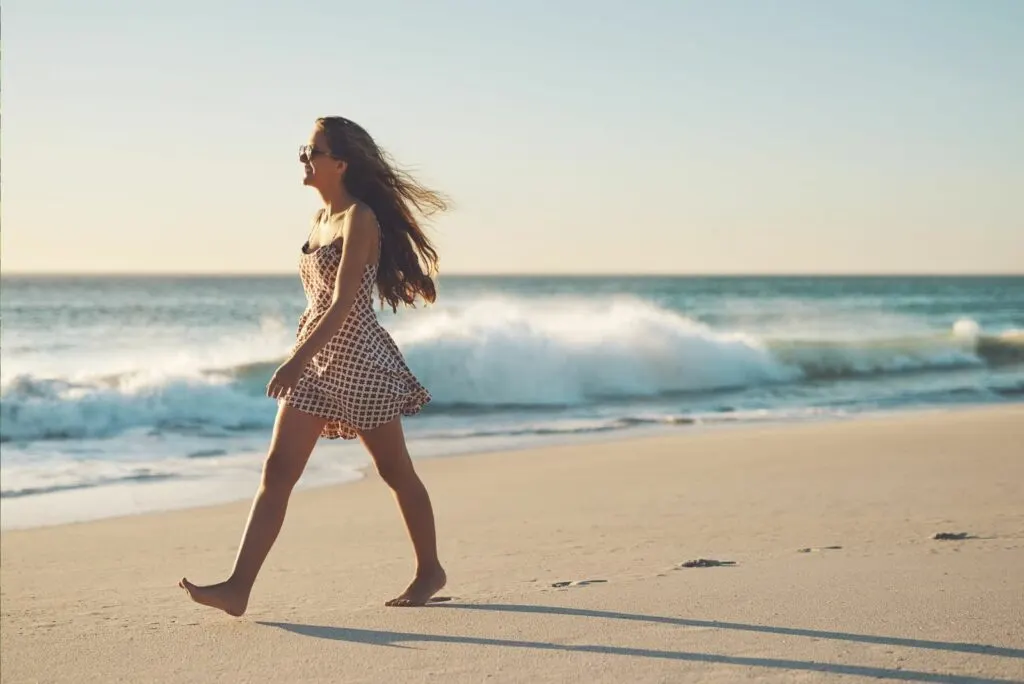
155	498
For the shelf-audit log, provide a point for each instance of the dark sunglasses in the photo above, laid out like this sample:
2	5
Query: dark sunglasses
307	152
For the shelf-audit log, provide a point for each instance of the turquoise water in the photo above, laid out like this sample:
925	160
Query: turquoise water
115	386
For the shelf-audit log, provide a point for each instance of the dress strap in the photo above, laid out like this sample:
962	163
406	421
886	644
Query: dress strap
316	224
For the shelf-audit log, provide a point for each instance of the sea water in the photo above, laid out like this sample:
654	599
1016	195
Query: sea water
126	394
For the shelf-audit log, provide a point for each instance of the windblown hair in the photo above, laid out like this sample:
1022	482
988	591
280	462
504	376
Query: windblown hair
408	261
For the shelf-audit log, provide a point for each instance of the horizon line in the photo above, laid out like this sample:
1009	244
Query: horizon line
536	274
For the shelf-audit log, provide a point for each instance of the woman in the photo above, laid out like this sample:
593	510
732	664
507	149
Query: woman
345	377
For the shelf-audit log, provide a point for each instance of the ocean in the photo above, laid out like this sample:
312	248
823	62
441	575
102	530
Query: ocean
126	394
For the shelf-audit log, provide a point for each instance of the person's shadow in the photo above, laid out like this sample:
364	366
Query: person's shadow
396	639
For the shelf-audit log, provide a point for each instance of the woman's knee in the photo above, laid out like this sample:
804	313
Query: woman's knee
281	469
295	435
394	470
386	445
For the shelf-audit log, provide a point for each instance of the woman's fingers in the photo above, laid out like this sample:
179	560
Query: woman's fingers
277	390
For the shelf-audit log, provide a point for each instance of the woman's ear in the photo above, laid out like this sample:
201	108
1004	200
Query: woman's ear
342	167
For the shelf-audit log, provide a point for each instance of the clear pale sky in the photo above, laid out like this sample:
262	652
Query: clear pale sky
583	136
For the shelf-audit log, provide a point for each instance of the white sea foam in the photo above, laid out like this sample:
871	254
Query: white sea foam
489	353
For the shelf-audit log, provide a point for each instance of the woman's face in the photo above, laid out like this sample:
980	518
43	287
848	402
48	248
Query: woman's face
321	170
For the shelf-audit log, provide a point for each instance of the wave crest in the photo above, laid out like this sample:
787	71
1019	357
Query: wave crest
502	353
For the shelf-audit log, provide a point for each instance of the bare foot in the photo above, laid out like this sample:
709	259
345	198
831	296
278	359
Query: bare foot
423	586
221	596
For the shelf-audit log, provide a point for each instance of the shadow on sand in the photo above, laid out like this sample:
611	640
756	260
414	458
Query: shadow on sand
396	639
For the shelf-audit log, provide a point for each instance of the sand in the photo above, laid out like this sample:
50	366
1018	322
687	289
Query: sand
836	575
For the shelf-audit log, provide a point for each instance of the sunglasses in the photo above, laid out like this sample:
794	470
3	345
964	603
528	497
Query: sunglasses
307	152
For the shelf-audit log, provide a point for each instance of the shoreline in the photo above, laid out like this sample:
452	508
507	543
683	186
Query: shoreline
169	491
568	563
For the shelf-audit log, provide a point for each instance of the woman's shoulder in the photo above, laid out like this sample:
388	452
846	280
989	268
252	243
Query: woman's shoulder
360	213
360	218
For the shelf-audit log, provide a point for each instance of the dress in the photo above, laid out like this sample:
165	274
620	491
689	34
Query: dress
358	380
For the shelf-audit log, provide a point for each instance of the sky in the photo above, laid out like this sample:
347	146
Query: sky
587	136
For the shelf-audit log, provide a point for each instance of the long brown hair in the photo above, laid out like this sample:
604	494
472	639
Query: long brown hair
408	260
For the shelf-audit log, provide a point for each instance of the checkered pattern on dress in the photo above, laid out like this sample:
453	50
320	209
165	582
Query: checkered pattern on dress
358	380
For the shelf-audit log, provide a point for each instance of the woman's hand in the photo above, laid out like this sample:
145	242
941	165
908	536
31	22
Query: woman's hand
285	378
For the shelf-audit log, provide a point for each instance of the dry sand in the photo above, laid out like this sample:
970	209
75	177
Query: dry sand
97	602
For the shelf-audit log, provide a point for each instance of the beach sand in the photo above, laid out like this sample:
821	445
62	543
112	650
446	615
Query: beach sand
98	601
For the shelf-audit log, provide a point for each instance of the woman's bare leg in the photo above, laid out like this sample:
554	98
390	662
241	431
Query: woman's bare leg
386	445
295	435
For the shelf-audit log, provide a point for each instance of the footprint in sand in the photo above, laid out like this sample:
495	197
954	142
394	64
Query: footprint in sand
706	563
577	583
818	548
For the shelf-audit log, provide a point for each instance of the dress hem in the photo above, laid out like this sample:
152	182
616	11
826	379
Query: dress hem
340	428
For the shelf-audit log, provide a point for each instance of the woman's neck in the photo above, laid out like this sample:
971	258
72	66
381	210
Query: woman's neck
337	201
